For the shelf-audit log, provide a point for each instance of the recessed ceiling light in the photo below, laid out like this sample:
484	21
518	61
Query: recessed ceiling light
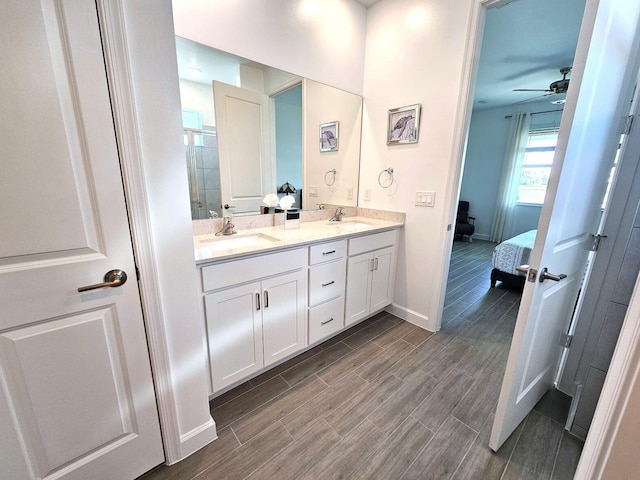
195	71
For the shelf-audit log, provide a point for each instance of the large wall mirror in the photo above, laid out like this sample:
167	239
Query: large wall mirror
251	130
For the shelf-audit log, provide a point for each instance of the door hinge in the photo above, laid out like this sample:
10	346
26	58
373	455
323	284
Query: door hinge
137	274
628	124
565	340
449	228
531	276
595	245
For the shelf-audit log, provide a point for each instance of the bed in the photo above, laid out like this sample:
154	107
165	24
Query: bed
510	254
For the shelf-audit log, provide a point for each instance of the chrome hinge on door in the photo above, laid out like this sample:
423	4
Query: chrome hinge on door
565	340
627	125
596	242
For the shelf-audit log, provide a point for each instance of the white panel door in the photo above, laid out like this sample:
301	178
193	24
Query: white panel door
604	73
246	169
234	332
283	315
76	393
358	294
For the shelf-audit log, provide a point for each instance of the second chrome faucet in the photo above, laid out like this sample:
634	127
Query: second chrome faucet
337	217
227	227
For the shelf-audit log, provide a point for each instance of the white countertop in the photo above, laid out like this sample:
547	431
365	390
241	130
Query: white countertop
209	248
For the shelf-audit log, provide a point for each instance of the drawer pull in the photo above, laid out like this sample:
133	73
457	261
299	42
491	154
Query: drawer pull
327	284
326	321
266	299
376	264
329	252
258	301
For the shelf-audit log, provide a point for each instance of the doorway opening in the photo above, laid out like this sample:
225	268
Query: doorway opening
511	142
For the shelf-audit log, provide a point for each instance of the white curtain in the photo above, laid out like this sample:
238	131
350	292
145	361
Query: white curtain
511	171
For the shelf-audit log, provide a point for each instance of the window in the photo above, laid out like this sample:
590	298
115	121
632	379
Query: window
536	167
192	119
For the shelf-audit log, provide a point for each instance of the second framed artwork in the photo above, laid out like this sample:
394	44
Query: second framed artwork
404	125
329	136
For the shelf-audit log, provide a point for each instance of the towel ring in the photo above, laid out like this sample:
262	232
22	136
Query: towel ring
333	179
390	172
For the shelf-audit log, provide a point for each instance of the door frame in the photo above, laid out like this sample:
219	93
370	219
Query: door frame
619	383
117	19
462	124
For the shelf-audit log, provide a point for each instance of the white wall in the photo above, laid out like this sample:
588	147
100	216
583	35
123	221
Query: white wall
486	146
414	54
322	104
186	421
318	39
198	96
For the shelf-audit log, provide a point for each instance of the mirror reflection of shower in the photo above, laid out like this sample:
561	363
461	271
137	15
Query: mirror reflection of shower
203	166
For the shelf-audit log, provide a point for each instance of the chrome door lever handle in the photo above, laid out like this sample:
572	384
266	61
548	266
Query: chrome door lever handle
545	275
113	278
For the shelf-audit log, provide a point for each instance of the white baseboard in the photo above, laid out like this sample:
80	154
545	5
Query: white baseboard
411	316
481	236
194	440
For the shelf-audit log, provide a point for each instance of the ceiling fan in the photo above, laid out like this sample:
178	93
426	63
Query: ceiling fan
557	87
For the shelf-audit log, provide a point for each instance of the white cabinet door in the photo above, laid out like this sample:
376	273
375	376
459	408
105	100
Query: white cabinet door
381	280
234	331
358	287
283	319
77	398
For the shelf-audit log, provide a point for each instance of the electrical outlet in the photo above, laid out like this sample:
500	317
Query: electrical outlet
350	193
367	194
313	191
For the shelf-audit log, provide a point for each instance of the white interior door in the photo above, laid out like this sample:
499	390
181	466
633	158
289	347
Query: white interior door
76	393
602	83
246	168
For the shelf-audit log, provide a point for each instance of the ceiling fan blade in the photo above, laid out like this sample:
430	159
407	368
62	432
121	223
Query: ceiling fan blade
532	98
531	90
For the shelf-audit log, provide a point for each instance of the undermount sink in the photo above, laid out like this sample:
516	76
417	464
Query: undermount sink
350	224
232	242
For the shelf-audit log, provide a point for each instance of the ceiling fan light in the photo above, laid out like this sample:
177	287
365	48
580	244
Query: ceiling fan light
560	101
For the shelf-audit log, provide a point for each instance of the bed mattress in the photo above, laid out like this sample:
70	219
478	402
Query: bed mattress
514	252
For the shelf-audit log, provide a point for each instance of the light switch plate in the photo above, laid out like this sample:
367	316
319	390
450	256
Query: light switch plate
367	194
350	193
425	199
313	191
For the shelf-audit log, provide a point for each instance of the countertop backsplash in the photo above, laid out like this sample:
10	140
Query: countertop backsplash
245	222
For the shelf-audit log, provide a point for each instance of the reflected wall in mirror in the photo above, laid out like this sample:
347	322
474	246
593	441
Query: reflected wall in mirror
251	130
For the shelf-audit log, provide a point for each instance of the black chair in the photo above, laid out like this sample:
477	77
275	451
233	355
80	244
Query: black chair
464	222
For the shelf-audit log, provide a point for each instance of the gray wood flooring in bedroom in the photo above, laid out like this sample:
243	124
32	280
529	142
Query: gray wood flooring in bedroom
387	400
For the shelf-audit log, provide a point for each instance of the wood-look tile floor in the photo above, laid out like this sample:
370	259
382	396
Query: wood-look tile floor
387	400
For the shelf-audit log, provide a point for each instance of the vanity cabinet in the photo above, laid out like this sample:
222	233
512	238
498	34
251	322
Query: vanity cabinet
370	275
259	320
327	278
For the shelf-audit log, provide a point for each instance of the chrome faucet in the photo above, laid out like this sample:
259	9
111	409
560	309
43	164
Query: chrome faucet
337	217
227	227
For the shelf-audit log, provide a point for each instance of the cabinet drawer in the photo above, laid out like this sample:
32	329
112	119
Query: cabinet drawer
327	251
234	272
372	242
326	319
326	281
